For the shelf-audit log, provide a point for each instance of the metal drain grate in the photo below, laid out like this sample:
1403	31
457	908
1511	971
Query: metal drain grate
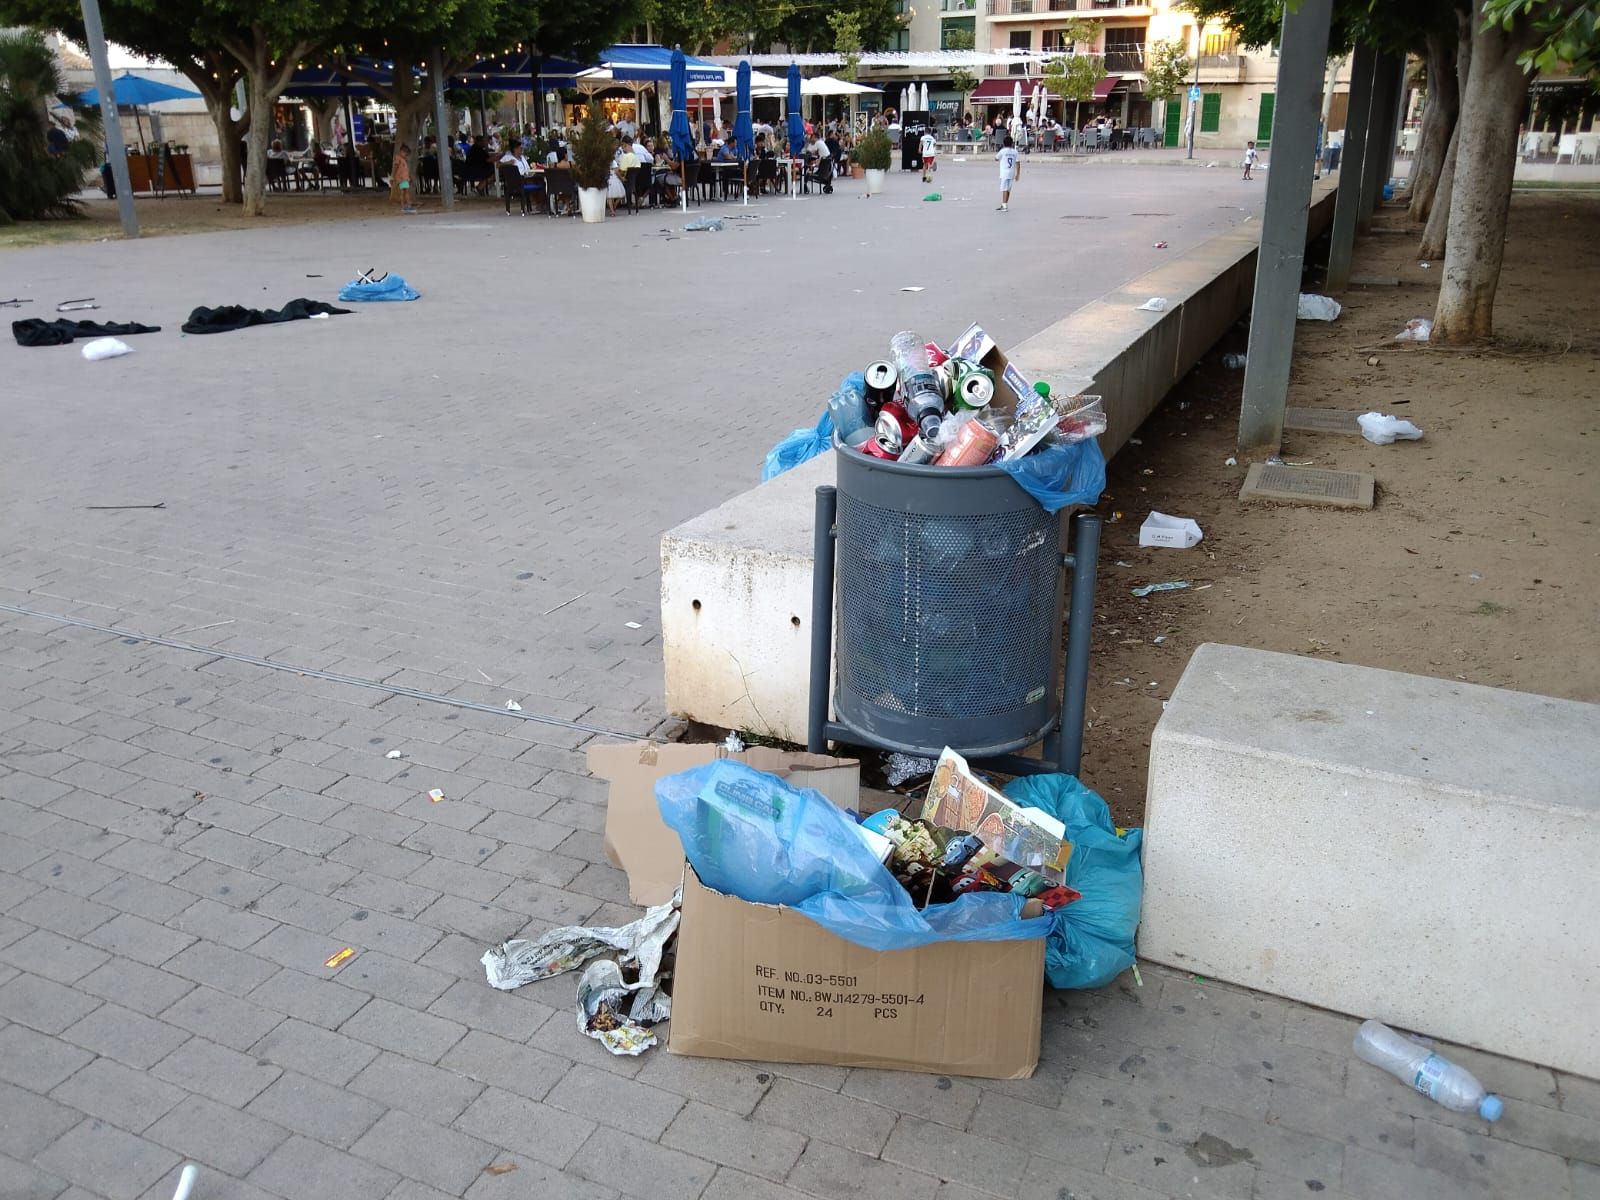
1320	420
1308	485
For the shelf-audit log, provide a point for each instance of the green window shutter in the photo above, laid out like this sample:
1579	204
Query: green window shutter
1174	121
1264	121
1211	112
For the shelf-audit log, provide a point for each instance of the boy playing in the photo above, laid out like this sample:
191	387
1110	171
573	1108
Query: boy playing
401	178
930	151
1010	169
1249	158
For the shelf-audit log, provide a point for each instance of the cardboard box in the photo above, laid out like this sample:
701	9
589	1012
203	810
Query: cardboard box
764	983
638	840
1011	387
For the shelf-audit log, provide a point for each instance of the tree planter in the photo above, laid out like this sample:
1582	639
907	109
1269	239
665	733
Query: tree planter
857	170
875	181
592	204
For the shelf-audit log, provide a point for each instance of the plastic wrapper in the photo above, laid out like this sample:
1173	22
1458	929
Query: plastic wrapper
1060	474
800	446
1092	941
1382	430
1418	329
106	347
1312	307
389	287
640	942
750	835
898	768
848	406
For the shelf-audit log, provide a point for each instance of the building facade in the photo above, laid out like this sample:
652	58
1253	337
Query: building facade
1237	84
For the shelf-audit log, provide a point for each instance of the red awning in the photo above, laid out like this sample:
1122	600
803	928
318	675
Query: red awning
999	88
1106	86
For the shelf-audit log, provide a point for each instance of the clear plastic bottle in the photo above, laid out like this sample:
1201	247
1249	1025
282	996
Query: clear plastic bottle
1419	1067
848	407
919	386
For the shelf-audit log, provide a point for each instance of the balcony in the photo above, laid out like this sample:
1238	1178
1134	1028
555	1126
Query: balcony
1124	60
1034	8
949	8
1221	68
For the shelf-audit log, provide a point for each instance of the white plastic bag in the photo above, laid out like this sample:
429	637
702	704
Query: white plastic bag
1154	304
1418	329
1383	430
1316	308
106	347
1179	533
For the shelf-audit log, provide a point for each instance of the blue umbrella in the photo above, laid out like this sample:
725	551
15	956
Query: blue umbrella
797	125
744	134
135	91
682	139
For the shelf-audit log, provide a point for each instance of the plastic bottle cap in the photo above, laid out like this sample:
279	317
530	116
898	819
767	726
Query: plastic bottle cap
1491	1108
1042	388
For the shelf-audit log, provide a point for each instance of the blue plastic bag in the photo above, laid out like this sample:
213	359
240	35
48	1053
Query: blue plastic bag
1074	473
390	287
749	834
1092	942
800	446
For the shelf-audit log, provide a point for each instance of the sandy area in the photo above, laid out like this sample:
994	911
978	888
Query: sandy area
1481	560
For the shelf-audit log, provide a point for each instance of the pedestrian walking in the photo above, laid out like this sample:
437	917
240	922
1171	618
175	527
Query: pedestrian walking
1010	169
1249	158
930	153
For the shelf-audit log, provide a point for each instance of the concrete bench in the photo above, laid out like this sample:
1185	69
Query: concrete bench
1418	850
736	581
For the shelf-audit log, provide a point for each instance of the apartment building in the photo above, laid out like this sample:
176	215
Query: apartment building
1237	85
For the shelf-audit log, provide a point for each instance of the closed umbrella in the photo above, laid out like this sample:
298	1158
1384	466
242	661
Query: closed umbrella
743	130
1016	99
924	97
682	139
797	125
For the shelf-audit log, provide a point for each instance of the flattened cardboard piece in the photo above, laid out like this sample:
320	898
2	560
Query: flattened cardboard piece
638	841
764	983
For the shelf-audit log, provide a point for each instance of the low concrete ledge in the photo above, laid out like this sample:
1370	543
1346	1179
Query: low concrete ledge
1418	850
741	658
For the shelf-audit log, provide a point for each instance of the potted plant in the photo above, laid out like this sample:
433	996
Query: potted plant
873	152
593	149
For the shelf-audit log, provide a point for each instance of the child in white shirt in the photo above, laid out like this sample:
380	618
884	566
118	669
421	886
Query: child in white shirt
1010	169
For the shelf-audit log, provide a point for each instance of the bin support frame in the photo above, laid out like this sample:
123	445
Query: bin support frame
1063	742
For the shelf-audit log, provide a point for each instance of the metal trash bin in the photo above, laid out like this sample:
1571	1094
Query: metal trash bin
950	593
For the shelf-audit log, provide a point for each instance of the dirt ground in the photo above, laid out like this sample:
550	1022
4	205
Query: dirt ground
1481	559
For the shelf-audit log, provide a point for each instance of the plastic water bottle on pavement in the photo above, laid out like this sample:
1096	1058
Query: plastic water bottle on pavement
1437	1078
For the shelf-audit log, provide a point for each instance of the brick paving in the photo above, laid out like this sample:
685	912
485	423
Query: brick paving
187	839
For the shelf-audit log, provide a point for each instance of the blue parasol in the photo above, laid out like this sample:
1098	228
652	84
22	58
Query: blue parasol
797	125
682	139
744	135
135	91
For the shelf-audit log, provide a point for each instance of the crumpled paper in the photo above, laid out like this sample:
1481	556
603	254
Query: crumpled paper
610	1010
898	768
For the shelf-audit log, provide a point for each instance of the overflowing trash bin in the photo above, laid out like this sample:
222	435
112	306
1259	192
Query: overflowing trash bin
945	542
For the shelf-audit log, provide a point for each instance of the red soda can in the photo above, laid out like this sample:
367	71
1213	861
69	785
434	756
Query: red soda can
893	415
935	355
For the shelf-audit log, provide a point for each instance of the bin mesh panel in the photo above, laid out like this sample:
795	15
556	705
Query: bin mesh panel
945	616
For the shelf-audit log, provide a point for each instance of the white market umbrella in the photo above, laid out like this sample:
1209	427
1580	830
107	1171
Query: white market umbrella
1016	99
924	105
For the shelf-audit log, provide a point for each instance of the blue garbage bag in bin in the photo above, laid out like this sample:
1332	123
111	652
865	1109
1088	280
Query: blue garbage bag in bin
749	834
1092	942
800	446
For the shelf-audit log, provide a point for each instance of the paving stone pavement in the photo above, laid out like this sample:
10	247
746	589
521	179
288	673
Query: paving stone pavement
187	839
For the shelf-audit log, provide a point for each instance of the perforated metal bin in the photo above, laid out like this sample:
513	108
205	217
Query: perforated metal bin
950	589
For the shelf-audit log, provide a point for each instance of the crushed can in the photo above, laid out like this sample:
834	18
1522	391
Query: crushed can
975	445
917	451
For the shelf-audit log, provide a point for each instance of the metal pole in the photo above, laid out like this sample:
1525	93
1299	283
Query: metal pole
447	183
1064	746
1341	244
821	619
349	162
116	151
1194	95
1327	108
1283	226
1374	159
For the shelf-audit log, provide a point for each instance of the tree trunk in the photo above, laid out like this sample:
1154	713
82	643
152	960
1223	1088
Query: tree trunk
1486	146
1438	125
1433	234
255	167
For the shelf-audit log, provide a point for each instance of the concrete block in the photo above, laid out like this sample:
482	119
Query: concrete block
1387	845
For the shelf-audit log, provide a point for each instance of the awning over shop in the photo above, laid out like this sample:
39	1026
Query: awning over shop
653	64
1106	86
998	89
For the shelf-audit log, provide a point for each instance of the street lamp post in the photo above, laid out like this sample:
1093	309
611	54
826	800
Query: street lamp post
1194	92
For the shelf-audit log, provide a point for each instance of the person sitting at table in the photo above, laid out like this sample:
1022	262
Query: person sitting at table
476	171
645	151
727	152
667	174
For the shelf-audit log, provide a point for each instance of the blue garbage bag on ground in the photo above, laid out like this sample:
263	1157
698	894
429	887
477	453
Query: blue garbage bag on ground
1092	942
800	446
390	287
749	834
1072	473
